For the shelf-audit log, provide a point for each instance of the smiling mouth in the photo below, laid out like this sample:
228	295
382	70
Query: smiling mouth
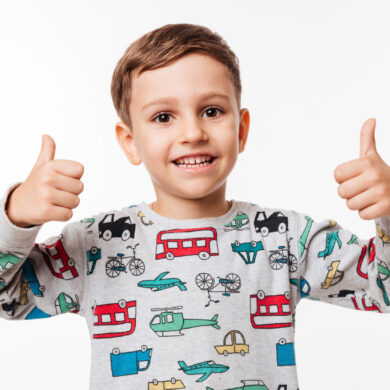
195	165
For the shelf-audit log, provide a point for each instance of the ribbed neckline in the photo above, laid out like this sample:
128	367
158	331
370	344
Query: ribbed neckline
214	221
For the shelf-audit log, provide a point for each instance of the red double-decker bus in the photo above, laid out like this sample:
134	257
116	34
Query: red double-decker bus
114	319
187	242
270	311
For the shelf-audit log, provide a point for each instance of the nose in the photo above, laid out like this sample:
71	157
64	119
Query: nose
192	131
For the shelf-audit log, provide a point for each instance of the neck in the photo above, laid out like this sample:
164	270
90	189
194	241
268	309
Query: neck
171	206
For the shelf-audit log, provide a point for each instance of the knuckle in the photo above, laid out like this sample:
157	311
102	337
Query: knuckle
67	215
337	174
76	201
368	162
80	168
340	191
362	214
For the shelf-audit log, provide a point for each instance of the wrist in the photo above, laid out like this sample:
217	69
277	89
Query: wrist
9	211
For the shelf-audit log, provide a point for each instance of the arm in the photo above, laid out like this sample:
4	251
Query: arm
337	266
40	279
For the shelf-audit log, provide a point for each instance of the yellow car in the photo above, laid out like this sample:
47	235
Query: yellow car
334	275
233	342
166	385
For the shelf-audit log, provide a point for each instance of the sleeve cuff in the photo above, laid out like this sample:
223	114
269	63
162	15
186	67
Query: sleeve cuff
12	236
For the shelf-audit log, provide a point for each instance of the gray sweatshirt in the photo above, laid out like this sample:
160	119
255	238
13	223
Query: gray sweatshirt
205	303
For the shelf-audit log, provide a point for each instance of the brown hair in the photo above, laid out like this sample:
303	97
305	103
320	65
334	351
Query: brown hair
163	45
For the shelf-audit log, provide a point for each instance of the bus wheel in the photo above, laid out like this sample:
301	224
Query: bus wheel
204	255
169	256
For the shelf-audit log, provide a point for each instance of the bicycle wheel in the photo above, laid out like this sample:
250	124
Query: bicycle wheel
137	267
273	260
112	268
292	263
204	281
236	282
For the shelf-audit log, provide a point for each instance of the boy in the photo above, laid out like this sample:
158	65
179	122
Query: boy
211	289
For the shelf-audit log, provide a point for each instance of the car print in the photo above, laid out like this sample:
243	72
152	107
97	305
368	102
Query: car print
130	363
31	277
233	342
122	227
166	385
276	222
58	260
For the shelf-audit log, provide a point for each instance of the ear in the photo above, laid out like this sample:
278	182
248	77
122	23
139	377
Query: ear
127	142
244	128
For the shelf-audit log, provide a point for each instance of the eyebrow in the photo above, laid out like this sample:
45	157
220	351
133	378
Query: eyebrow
202	97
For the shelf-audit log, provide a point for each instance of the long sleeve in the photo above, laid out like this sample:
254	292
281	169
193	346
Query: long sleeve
40	279
338	267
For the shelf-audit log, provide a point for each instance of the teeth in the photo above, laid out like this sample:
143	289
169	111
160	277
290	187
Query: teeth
194	160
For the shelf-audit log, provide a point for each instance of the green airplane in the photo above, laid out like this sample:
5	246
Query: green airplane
206	368
168	323
248	385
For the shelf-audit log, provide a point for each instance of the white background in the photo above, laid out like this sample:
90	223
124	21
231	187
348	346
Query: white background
312	72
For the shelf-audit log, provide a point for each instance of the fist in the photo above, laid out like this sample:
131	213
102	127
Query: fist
50	191
365	181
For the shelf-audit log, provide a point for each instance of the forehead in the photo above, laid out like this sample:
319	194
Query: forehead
192	75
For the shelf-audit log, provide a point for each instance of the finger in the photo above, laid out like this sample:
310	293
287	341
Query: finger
354	186
69	168
348	170
48	150
58	213
64	199
367	138
68	184
372	211
363	200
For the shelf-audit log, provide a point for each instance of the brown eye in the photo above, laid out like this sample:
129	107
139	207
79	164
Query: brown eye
210	110
163	116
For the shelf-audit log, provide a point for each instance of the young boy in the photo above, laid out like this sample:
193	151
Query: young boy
191	291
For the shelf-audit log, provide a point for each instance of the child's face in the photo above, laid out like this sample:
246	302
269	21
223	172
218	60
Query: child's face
184	123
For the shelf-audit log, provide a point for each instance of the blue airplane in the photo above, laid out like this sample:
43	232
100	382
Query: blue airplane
206	368
160	284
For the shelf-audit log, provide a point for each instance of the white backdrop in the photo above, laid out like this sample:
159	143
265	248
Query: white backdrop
312	72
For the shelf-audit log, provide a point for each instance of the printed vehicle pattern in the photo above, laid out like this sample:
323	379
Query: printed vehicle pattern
215	300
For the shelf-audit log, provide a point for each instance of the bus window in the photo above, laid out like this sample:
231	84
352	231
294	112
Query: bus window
263	309
119	316
106	318
131	312
273	308
173	244
286	308
200	242
187	244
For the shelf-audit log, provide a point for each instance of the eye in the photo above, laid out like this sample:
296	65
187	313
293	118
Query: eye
213	109
161	115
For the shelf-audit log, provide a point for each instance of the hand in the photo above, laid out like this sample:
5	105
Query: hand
49	192
365	182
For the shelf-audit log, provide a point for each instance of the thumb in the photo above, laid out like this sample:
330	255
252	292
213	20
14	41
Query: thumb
367	138
48	150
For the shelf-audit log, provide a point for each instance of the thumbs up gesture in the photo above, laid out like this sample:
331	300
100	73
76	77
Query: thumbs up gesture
50	191
365	182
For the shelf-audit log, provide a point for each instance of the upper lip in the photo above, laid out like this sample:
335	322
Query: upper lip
194	155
